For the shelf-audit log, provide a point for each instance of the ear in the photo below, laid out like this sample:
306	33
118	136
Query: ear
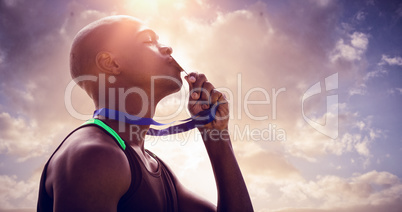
107	63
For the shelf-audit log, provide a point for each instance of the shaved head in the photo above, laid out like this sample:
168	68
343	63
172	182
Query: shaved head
101	35
121	53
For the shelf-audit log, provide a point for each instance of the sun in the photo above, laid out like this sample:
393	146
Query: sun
152	7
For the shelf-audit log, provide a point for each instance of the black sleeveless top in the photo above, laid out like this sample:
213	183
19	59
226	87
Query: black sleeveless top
149	191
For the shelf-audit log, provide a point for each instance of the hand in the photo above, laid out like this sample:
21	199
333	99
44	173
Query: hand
232	190
203	95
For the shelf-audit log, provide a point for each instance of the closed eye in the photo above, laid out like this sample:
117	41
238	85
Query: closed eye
150	39
149	42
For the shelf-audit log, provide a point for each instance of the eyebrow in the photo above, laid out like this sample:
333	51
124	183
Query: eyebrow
149	32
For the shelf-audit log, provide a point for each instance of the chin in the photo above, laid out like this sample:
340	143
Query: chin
167	85
176	86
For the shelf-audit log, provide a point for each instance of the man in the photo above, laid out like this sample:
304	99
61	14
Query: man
102	166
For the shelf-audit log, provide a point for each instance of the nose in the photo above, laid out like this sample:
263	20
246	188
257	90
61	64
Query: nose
166	50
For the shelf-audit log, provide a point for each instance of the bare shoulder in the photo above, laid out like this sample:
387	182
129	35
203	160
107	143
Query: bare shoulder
89	169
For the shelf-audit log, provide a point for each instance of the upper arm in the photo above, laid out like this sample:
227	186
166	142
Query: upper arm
189	201
91	178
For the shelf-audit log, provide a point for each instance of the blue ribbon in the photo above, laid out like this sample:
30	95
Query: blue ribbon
202	118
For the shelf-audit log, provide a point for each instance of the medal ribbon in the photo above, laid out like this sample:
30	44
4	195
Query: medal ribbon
202	118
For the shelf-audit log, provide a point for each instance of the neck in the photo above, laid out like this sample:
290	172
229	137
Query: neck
133	104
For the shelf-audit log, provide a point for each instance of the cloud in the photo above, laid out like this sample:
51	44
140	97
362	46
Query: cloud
399	10
392	61
360	88
2	56
359	40
275	169
321	3
353	51
392	207
21	138
356	138
361	15
19	210
16	193
362	148
373	189
376	73
394	91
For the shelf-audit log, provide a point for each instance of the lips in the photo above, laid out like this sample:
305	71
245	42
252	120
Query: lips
174	62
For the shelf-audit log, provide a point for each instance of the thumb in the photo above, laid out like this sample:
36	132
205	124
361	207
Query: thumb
190	80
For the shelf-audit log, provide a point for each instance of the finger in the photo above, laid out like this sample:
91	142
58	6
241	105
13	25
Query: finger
222	113
223	107
219	98
205	95
191	78
215	95
197	86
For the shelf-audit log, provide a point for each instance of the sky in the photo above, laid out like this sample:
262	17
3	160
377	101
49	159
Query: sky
314	86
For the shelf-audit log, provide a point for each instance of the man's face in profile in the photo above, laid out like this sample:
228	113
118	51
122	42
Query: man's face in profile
128	55
141	57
